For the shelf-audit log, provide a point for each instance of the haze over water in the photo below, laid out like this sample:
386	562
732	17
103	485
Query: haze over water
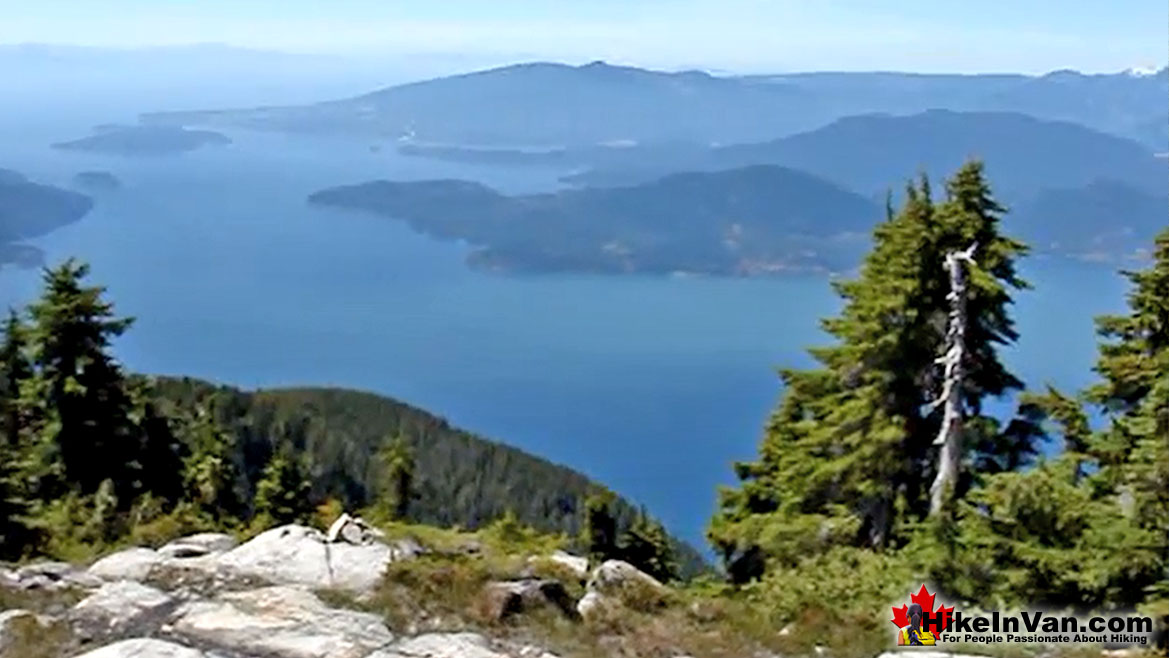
651	385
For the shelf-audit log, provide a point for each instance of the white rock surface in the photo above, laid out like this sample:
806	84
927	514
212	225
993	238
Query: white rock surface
286	621
205	543
294	554
590	605
574	563
613	575
130	564
47	575
144	648
118	604
441	645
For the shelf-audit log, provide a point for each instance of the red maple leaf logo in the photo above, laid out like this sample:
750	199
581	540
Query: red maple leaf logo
942	615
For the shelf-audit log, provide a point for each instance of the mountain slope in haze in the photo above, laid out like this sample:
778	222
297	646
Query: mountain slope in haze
29	210
541	104
871	154
1126	104
545	104
460	479
754	220
1106	220
867	153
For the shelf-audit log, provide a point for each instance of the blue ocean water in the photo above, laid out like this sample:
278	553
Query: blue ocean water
653	385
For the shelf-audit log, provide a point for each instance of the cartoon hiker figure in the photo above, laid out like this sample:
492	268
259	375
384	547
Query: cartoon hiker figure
913	635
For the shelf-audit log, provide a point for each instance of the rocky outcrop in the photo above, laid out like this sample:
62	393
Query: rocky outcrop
297	555
442	645
574	563
280	621
130	564
121	604
200	545
46	576
505	599
144	648
617	581
288	555
203	596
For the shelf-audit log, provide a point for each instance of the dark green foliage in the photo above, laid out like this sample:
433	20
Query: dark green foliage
458	478
282	493
646	546
15	535
598	530
847	457
211	478
85	449
397	485
78	409
1089	528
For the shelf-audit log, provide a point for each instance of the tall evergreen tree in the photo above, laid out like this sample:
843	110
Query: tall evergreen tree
282	494
598	528
847	457
14	368
1090	527
646	545
76	400
15	534
398	477
210	473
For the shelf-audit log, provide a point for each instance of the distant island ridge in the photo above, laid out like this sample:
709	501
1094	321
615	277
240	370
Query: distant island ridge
143	140
555	104
29	210
743	222
97	180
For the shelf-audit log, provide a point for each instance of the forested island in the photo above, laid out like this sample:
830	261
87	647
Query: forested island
101	181
742	222
29	210
144	140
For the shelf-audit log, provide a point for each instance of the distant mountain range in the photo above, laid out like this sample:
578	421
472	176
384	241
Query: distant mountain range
1073	154
872	154
544	104
749	221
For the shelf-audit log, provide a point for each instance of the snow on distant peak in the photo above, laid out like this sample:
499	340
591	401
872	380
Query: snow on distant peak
1141	71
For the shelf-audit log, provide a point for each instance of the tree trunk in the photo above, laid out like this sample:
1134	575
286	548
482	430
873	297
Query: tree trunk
950	434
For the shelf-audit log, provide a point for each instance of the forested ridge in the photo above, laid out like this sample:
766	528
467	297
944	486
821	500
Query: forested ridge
460	479
94	455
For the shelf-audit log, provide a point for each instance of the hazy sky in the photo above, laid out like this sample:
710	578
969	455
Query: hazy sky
778	35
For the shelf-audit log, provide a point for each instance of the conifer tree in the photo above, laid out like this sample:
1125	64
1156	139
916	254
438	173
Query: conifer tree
15	534
282	493
76	400
646	545
598	528
1090	527
848	456
398	477
210	473
14	368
